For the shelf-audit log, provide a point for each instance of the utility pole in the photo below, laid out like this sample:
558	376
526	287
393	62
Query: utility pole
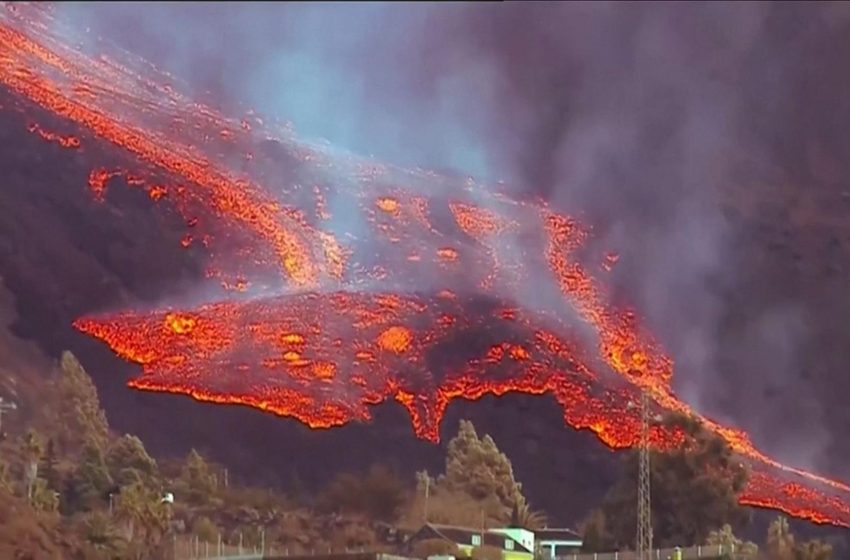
644	505
427	496
483	528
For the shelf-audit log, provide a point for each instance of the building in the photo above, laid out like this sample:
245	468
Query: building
557	542
524	537
513	544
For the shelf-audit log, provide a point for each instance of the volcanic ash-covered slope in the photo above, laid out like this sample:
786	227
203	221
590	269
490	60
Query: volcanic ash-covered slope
400	232
63	255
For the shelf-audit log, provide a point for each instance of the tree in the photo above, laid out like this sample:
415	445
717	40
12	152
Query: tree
384	493
144	517
694	490
205	530
90	483
128	461
781	544
523	516
130	509
197	481
596	535
780	541
478	486
44	498
6	484
476	466
50	466
100	537
724	537
32	449
80	419
379	494
814	550
448	507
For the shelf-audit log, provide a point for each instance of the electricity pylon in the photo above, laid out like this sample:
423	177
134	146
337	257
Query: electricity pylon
644	505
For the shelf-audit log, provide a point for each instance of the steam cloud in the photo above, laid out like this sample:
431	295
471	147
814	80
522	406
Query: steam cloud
643	118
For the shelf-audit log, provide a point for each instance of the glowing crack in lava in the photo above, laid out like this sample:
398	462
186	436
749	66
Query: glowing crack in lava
355	286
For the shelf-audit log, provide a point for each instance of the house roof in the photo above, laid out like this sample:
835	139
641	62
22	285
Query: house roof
555	534
463	535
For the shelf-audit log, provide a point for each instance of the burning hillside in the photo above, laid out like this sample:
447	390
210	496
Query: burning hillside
342	282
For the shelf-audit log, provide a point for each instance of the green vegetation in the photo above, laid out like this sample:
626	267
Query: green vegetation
72	489
781	544
726	538
694	489
378	495
478	487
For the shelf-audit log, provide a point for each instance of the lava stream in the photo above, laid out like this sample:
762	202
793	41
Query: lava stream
444	322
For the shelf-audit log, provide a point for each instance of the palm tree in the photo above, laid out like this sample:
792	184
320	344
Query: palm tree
780	541
130	509
524	517
33	449
725	538
144	517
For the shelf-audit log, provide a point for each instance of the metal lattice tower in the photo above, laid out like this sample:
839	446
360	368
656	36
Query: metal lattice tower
644	505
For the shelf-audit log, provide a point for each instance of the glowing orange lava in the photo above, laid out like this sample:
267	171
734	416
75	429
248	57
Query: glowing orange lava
395	339
438	317
65	141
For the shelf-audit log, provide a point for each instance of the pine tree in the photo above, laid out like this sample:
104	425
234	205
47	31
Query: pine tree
197	480
79	414
91	482
129	462
49	467
476	466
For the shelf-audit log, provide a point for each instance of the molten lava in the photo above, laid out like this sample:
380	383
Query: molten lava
66	141
398	295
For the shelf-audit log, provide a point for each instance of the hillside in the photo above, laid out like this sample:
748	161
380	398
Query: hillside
58	243
779	357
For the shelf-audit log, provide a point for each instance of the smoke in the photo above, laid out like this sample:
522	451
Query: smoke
644	119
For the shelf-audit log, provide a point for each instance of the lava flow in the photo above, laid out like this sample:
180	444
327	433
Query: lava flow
388	293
